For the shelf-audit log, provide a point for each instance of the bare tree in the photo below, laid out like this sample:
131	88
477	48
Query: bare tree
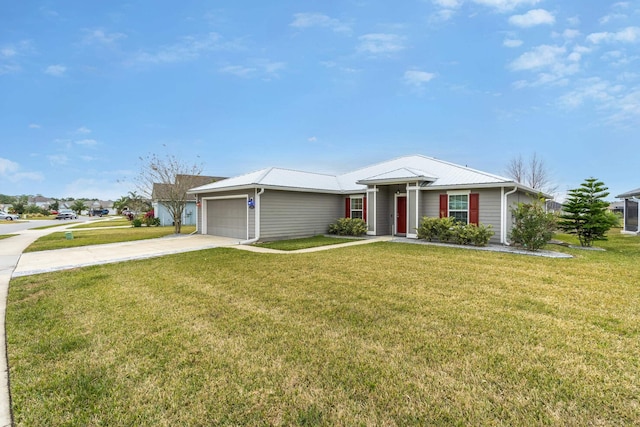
167	180
532	173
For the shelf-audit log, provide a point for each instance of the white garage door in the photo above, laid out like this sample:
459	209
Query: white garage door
227	217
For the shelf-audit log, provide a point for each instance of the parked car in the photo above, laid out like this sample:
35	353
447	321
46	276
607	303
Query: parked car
98	212
66	214
7	216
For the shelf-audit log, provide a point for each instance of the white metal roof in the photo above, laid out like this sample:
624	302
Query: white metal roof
433	171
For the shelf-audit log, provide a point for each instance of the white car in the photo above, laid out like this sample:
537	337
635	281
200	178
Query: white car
7	216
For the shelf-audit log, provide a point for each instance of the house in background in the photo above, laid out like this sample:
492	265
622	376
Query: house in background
391	197
161	192
630	214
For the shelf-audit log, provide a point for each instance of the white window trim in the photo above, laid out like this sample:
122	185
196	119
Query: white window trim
351	210
459	193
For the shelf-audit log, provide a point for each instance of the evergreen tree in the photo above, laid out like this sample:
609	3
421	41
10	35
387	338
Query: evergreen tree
585	212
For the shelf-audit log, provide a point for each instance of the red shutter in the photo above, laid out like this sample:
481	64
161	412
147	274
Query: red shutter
444	206
474	208
364	208
347	207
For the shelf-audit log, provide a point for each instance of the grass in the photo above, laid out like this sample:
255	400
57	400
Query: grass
6	236
97	237
379	334
305	243
98	224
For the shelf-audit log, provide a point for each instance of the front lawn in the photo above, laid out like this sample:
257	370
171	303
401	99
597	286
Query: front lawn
59	240
379	334
305	243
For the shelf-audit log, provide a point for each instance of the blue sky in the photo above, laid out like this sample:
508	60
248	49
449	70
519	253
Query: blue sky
87	88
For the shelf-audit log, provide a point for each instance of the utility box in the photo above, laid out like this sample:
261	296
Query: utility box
68	235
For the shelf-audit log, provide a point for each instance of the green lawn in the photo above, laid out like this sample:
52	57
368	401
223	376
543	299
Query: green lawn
305	243
6	236
379	334
58	240
97	223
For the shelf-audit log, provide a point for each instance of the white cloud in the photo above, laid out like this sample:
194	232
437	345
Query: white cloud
98	36
308	20
448	4
55	70
105	189
506	5
532	18
570	33
7	52
188	49
259	68
539	57
7	166
417	78
611	17
83	130
34	126
87	142
551	64
627	35
312	139
238	70
512	43
10	171
381	43
58	159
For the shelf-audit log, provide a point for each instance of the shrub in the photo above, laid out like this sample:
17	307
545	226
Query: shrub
448	230
532	227
348	227
150	219
428	228
137	222
444	229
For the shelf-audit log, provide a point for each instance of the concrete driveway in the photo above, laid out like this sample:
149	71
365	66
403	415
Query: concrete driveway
64	259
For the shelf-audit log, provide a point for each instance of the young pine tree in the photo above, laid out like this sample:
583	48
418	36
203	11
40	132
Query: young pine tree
585	212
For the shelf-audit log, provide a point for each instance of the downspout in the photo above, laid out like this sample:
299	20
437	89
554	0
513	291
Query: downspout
503	231
256	219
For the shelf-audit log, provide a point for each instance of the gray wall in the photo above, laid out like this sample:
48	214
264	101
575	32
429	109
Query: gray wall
285	214
489	199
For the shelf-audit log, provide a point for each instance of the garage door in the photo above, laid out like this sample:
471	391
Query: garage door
227	217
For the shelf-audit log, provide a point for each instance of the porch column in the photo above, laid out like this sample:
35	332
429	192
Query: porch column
413	219
372	209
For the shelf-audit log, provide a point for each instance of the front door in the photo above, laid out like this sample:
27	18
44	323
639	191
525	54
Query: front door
401	215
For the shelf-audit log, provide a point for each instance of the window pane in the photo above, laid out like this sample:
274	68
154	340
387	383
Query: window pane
356	214
460	216
458	202
356	203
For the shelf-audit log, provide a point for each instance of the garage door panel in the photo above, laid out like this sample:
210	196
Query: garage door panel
227	217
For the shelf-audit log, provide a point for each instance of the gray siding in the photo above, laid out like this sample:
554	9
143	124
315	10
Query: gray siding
285	214
489	207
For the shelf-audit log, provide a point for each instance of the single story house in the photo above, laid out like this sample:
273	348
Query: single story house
391	196
161	193
631	214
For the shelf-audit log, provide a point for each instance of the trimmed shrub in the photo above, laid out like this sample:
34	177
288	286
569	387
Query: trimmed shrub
447	230
348	227
532	226
428	228
137	222
444	229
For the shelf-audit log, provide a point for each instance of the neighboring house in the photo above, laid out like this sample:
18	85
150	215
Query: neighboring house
40	201
553	206
391	197
160	194
631	214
